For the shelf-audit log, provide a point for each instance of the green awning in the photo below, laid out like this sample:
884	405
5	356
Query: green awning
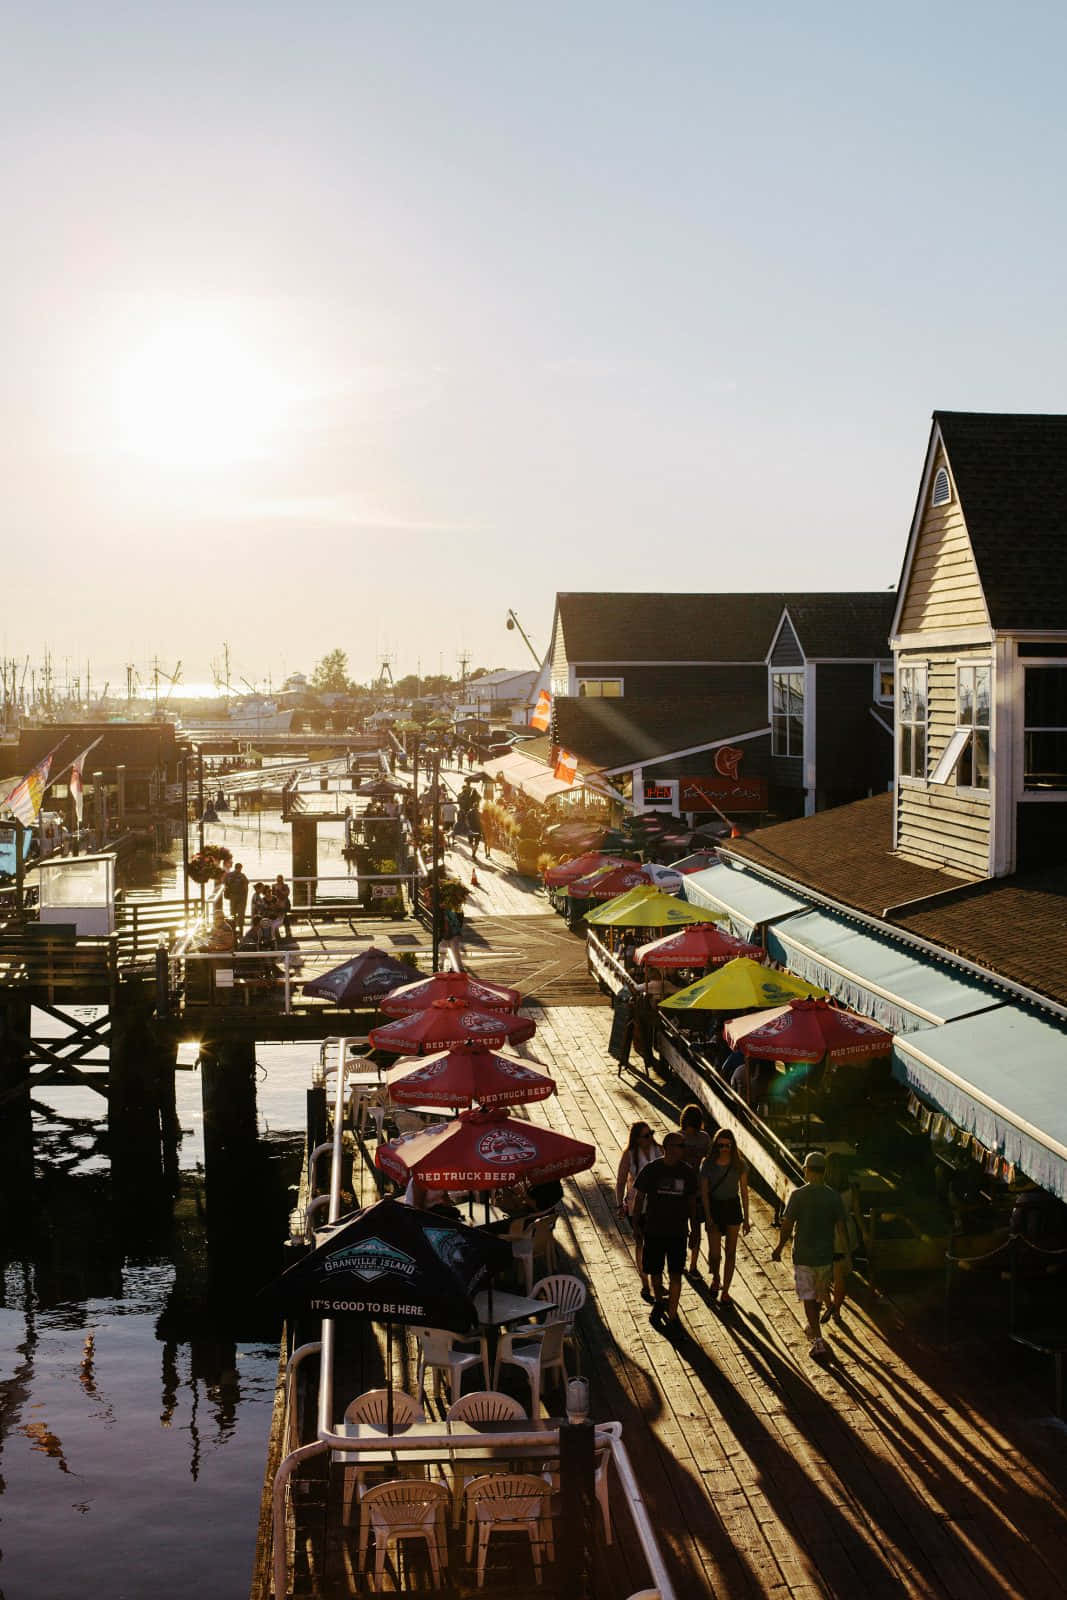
877	977
747	900
999	1076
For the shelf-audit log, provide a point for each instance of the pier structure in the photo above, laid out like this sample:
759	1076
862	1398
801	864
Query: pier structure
881	1473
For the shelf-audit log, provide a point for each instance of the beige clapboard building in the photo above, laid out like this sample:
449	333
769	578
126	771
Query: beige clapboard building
980	644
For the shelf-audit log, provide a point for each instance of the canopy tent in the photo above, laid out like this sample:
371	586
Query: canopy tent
395	1263
483	1150
700	945
363	979
644	907
875	976
814	1030
579	867
998	1076
748	901
473	992
736	1028
624	875
447	1023
532	778
738	986
471	1076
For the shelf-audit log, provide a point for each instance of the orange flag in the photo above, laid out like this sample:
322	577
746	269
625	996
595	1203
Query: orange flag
566	766
542	712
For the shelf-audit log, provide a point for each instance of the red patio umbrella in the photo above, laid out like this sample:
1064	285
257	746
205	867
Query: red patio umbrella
447	1023
446	986
483	1150
814	1030
699	945
567	871
474	1075
606	885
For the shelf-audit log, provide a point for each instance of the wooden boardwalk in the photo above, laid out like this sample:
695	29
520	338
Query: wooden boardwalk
899	1469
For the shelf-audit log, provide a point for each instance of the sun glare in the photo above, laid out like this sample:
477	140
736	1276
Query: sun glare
192	394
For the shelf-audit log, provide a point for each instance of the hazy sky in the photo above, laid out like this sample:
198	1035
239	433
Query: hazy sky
349	324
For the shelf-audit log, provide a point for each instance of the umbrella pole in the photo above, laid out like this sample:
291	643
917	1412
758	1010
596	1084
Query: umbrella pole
389	1371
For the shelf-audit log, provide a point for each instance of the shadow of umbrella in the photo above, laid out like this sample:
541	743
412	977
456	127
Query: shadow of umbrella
395	1263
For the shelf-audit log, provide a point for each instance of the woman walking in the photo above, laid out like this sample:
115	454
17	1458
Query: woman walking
641	1148
697	1143
724	1193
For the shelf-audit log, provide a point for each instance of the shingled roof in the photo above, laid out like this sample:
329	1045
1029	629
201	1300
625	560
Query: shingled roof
1010	473
1015	927
616	732
844	627
706	627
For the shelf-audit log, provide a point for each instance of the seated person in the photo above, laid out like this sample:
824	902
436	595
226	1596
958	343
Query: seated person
221	934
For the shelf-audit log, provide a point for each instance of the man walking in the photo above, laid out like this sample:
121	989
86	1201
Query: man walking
814	1211
663	1217
235	890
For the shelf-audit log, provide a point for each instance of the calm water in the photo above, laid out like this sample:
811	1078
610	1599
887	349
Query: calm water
136	1367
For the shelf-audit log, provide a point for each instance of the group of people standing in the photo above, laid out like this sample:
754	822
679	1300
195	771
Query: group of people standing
270	909
698	1181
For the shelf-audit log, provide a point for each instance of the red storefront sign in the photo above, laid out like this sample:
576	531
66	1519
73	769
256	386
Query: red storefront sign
726	794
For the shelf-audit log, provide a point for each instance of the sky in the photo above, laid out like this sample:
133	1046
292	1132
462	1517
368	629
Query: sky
350	325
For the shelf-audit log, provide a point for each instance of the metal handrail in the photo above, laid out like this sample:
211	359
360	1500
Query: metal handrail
445	1442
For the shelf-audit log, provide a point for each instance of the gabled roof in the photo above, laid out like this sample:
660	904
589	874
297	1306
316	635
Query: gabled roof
612	733
701	627
1010	473
844	627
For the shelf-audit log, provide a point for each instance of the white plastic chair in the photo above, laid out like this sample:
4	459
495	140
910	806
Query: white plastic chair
536	1351
438	1352
481	1405
404	1509
535	1241
570	1296
373	1406
512	1502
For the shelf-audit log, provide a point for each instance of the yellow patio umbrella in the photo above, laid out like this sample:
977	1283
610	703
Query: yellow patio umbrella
739	985
646	907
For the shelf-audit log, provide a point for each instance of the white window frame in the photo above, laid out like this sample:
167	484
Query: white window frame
1037	663
880	698
789	715
907	672
973	726
582	694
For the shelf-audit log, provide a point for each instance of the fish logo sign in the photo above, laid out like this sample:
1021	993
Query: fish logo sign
370	1259
728	760
505	1148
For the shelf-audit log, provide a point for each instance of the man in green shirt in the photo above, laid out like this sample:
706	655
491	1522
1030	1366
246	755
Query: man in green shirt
814	1212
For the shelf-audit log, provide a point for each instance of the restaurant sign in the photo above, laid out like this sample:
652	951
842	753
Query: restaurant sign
724	794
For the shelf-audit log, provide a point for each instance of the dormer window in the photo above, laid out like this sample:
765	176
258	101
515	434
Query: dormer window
942	488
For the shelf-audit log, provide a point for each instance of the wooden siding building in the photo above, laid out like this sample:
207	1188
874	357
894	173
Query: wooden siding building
653	688
980	644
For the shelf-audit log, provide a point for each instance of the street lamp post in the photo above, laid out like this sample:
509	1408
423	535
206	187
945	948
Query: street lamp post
435	897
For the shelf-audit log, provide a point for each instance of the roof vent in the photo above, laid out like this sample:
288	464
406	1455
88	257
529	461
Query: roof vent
942	488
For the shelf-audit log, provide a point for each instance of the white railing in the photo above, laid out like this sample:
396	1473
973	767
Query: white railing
444	1442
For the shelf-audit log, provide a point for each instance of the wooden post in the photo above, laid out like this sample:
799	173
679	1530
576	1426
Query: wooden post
578	1502
16	1120
435	892
305	859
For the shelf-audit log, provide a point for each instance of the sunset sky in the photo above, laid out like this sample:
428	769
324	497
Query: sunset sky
355	325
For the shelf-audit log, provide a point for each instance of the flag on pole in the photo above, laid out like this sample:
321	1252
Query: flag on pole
542	712
24	800
77	787
566	766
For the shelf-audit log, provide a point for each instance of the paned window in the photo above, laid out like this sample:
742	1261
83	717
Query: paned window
973	702
787	713
884	683
911	720
1045	729
600	688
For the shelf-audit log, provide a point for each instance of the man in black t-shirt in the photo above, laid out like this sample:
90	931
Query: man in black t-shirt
664	1211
